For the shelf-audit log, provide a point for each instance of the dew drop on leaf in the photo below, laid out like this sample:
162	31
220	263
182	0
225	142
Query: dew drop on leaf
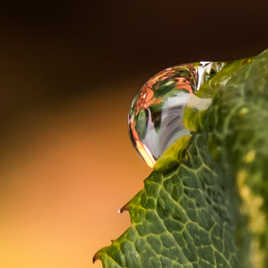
155	118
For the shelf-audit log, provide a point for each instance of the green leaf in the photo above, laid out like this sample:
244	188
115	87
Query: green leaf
209	208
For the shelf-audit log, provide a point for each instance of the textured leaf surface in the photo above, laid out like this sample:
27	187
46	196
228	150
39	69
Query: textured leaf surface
209	209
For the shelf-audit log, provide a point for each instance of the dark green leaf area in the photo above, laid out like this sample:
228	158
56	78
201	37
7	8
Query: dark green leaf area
238	125
188	216
181	219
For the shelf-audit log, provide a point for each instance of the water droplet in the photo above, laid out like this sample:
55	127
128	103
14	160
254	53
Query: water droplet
156	114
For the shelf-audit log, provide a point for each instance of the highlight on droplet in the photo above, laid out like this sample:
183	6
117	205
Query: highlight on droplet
155	118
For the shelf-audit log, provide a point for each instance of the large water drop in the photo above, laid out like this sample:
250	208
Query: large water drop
156	114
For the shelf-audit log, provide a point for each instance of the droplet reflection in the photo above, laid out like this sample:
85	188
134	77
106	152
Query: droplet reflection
156	114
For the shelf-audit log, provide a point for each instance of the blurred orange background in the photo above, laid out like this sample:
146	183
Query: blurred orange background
64	182
68	72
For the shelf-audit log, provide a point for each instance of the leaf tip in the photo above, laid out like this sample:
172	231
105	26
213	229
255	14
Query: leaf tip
123	208
98	256
95	258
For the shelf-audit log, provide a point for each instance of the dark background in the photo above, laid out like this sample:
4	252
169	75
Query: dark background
53	50
68	71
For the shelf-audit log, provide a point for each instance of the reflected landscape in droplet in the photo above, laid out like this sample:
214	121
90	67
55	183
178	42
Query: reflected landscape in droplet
156	115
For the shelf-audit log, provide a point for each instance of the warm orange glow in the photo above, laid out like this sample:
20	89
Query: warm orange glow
61	186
